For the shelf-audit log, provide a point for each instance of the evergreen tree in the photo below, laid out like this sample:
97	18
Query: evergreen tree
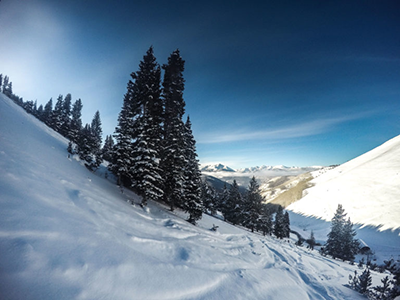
173	157
5	84
139	132
208	198
350	245
279	226
121	162
341	242
265	224
96	140
192	178
39	112
84	146
252	205
65	117
1	81
286	225
223	200
57	114
107	151
234	206
76	122
382	292
364	282
48	112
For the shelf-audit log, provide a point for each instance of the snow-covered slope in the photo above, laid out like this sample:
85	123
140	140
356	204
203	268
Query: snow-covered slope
368	187
66	233
216	168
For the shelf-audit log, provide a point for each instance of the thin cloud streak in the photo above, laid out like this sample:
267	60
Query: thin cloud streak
299	130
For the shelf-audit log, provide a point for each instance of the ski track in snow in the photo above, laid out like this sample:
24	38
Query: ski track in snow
66	233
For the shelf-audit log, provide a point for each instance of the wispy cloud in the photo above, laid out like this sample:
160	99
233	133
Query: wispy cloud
297	130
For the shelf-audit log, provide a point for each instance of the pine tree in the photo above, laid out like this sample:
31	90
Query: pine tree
223	199
286	225
234	206
364	282
39	112
84	146
121	162
76	122
173	158
192	178
65	117
145	170
96	140
1	81
382	292
265	224
5	84
252	205
279	229
139	132
107	151
341	242
57	114
209	198
48	112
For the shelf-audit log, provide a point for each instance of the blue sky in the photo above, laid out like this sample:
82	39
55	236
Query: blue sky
267	82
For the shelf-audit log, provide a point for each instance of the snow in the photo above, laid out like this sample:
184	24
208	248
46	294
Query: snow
66	233
368	187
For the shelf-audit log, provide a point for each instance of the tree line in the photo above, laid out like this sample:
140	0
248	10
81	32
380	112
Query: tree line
153	151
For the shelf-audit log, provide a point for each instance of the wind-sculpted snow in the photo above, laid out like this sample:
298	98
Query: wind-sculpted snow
66	233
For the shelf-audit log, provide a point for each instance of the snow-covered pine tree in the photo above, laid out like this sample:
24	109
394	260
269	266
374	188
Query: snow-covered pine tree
223	198
84	146
286	225
173	158
341	242
234	207
48	112
350	245
96	140
382	292
145	168
209	198
252	205
146	130
279	226
76	121
107	151
65	117
364	282
192	177
57	114
39	112
121	162
265	224
5	84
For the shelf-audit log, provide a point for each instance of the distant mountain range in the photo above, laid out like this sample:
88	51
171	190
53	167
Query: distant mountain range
223	168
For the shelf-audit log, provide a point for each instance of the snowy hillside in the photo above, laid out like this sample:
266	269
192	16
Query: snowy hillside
66	233
216	168
368	187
